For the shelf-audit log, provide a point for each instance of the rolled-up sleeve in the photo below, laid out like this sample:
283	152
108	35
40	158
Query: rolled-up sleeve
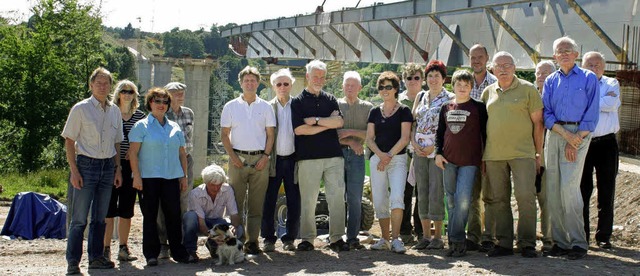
610	103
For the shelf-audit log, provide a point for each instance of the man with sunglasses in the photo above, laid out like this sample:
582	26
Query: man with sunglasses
184	117
248	124
282	167
571	110
352	135
315	116
477	239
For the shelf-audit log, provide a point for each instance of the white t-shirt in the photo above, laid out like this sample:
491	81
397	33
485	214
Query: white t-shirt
248	123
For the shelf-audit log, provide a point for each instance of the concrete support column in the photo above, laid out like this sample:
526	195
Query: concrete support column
196	75
161	72
144	74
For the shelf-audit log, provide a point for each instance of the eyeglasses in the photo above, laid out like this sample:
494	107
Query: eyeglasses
563	52
386	87
282	83
505	66
127	92
413	78
160	101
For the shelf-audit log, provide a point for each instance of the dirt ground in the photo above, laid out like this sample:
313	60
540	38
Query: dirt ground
46	257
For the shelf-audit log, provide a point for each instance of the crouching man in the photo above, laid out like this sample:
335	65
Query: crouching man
207	205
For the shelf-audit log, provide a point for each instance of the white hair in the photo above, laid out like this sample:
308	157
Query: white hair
213	174
547	63
351	75
566	40
502	54
316	64
593	53
284	72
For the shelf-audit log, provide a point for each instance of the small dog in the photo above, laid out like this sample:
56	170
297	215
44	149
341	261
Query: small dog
230	252
229	249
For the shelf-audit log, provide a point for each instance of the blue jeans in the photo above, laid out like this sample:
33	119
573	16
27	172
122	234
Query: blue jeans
97	179
354	181
285	168
191	229
458	183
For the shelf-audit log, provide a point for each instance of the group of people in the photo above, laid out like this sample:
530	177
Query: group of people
470	146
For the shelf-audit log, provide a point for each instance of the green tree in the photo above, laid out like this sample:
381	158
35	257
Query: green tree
45	66
178	43
120	62
215	44
128	32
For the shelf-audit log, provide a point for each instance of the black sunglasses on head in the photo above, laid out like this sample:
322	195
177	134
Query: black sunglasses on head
127	91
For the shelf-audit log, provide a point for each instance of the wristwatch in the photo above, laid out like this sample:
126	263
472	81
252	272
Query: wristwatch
317	120
537	155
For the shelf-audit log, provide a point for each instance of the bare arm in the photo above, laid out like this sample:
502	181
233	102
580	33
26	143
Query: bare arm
134	148
268	147
75	177
538	134
226	142
404	139
202	225
117	179
309	129
183	163
331	122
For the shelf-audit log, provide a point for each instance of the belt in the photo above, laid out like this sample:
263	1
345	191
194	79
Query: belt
562	123
283	157
609	136
255	152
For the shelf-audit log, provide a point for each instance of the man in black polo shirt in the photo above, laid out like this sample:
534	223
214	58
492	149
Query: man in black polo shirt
315	115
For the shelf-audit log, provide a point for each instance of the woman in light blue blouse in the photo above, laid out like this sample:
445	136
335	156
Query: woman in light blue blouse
159	162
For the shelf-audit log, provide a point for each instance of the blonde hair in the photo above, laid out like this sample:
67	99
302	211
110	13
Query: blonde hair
121	85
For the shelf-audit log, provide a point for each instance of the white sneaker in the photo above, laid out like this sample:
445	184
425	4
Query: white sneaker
382	244
397	246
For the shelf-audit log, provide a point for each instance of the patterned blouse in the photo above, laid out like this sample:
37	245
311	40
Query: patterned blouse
426	115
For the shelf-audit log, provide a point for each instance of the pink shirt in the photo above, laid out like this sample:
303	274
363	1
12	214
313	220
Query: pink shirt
201	203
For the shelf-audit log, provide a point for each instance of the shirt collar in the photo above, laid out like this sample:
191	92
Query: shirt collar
515	83
96	103
152	118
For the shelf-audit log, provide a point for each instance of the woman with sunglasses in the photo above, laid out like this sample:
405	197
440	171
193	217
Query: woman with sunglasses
159	162
428	176
388	133
123	199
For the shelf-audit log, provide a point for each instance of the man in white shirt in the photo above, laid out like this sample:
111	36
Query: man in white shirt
92	133
603	152
248	124
282	167
207	205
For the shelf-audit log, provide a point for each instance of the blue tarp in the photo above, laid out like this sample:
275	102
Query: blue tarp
34	215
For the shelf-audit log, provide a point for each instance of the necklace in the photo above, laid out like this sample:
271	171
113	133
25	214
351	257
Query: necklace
384	115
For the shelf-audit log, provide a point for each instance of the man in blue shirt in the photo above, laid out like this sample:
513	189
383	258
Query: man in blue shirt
571	113
603	152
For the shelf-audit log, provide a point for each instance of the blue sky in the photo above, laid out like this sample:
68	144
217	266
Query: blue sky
164	15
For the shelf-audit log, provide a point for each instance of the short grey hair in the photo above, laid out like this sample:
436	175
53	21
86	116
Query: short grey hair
502	54
316	64
351	75
547	63
284	72
593	53
213	174
565	39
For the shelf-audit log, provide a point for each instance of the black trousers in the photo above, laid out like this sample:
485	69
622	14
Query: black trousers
405	226
603	157
164	193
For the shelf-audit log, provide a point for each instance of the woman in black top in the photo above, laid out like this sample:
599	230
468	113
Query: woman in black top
123	199
388	134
